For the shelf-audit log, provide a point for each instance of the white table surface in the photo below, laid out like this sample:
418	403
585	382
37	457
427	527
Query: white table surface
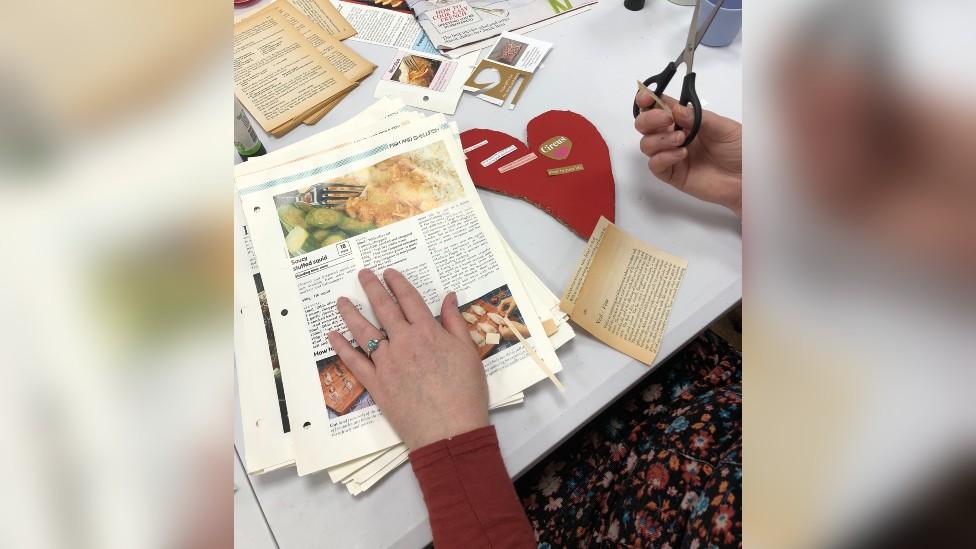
251	531
592	70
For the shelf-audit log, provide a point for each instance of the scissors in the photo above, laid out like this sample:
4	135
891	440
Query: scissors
687	56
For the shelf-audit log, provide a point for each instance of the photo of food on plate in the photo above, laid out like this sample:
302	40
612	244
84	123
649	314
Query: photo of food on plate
394	189
508	51
493	320
416	71
343	393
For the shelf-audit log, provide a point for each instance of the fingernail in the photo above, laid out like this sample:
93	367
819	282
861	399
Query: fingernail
341	300
678	137
452	298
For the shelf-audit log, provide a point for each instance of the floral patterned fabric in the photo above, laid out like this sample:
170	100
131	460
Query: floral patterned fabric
660	468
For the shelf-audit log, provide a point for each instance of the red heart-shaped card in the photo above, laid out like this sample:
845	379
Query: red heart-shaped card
570	178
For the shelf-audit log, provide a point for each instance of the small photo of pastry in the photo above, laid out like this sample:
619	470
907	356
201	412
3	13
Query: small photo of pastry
416	71
508	51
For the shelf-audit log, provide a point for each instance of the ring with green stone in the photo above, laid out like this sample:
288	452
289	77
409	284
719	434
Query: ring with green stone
371	346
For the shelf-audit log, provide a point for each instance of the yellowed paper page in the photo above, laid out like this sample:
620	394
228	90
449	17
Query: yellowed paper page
314	116
327	107
627	293
583	267
278	75
326	17
352	65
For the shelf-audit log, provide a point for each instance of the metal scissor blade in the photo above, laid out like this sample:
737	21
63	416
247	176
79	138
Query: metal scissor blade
690	43
696	33
707	23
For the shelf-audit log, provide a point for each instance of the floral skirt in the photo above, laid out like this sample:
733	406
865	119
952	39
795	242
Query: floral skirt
661	467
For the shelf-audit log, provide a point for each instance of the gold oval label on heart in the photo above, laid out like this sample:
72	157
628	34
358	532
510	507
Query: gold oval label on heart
557	147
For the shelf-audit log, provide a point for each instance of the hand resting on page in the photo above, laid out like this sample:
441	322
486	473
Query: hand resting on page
427	378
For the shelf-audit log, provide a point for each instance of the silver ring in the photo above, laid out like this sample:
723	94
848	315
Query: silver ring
372	345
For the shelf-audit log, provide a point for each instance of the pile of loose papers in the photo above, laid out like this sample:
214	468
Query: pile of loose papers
416	210
290	66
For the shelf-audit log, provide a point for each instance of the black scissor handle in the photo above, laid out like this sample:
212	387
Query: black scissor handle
690	95
660	81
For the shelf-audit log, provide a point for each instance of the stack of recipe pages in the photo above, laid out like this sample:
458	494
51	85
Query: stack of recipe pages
415	209
290	66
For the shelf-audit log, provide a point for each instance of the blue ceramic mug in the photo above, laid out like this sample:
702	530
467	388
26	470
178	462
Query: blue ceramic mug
727	23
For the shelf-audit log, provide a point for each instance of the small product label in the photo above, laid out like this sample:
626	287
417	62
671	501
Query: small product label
557	147
245	139
565	169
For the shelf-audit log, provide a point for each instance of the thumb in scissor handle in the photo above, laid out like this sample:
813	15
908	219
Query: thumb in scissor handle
690	95
659	82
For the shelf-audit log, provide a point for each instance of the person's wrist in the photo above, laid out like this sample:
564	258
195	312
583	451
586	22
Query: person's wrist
732	197
445	431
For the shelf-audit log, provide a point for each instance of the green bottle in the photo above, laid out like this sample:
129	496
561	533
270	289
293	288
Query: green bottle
245	139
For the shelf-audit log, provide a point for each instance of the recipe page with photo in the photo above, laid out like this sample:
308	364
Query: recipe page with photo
417	212
264	409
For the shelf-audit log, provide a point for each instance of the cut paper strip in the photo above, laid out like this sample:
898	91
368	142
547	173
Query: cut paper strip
549	325
498	156
565	169
475	146
535	356
516	163
667	109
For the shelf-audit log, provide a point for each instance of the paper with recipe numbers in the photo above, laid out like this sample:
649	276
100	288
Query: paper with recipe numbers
418	212
267	438
622	291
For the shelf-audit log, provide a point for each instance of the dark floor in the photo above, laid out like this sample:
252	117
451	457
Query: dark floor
729	327
660	467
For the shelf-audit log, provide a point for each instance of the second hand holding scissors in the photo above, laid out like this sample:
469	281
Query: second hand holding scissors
687	56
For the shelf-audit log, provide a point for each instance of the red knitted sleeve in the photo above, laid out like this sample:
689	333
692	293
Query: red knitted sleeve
470	498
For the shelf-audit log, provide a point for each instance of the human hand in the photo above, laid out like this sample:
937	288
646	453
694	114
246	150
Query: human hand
710	168
427	378
506	306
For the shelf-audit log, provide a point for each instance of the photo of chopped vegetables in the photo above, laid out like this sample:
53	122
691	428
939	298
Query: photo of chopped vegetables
394	189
